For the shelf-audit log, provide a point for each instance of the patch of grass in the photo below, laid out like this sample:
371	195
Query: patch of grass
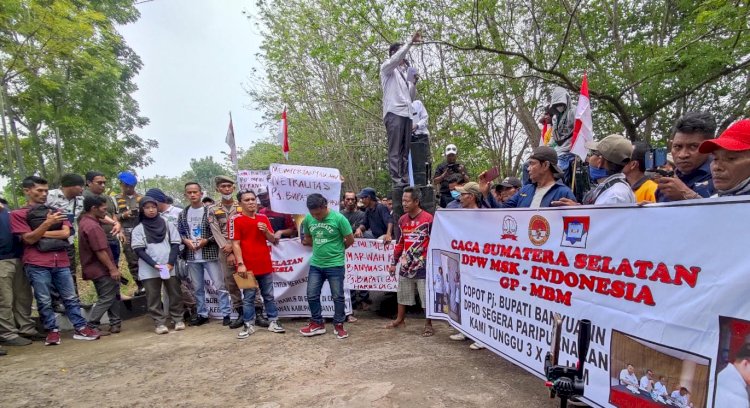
87	292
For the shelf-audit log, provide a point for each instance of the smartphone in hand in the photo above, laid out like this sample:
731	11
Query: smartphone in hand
491	174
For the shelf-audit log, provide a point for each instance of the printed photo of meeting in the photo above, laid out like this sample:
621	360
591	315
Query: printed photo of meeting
446	284
733	363
651	375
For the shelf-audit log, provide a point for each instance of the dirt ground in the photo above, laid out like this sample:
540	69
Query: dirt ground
207	366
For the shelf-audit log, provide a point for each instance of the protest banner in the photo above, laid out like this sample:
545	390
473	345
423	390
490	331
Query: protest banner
290	185
252	179
681	313
367	262
291	261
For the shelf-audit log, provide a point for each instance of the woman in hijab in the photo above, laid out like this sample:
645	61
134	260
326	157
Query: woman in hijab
157	243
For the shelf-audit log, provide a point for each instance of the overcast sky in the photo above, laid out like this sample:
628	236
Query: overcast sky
196	56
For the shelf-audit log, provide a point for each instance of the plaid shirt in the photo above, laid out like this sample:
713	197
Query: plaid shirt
211	250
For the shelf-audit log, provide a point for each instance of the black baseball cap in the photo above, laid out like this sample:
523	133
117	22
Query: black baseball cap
509	182
548	154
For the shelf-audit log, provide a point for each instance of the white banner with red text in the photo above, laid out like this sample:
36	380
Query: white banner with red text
665	287
367	264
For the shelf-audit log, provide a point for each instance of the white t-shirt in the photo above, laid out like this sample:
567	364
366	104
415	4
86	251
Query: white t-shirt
660	389
536	202
437	281
628	379
619	193
731	389
159	252
195	223
645	382
680	398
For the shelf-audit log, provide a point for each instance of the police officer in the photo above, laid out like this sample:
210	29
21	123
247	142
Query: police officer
126	205
218	218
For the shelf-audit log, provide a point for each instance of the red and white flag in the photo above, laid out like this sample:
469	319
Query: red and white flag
284	135
230	141
583	131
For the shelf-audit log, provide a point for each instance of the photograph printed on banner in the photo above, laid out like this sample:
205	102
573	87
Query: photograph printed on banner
446	284
733	363
644	373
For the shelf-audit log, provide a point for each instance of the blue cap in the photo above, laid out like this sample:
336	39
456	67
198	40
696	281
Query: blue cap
157	195
368	192
127	178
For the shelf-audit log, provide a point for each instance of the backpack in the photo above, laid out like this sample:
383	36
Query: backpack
36	217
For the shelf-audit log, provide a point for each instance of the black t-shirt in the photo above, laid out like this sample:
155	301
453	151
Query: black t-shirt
455	168
377	219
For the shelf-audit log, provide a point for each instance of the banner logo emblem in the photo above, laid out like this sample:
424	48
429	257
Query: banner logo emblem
510	226
538	230
575	232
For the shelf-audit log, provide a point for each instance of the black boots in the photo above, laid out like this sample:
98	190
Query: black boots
239	322
260	321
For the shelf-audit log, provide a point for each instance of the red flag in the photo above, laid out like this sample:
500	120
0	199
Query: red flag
284	135
230	141
583	131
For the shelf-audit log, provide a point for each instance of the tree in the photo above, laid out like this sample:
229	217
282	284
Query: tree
67	84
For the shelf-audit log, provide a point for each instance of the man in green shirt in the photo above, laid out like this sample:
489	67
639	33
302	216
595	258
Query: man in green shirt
330	234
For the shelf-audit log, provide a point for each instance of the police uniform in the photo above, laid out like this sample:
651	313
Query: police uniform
218	218
124	204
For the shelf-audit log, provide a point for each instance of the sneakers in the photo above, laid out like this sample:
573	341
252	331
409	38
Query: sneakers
115	329
275	326
341	333
313	329
35	336
458	337
53	338
179	326
198	320
477	346
102	332
227	320
16	341
86	333
259	319
162	329
246	331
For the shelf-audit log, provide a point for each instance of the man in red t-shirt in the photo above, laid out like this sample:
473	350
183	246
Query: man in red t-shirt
411	253
48	270
250	232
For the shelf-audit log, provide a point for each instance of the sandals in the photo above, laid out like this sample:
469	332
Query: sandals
428	331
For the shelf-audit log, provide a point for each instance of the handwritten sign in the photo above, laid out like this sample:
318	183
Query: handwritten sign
290	186
252	179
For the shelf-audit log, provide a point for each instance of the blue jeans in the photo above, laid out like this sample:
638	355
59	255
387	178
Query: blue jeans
43	280
198	271
266	290
315	279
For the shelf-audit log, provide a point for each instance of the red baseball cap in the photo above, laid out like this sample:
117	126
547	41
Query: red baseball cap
736	138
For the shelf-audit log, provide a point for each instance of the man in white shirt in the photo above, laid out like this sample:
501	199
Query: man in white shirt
627	376
660	388
681	398
733	380
647	381
610	154
438	285
397	109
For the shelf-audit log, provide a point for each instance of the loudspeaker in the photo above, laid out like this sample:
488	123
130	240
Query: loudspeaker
420	159
428	198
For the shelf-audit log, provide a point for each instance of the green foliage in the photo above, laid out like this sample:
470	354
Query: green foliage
487	69
67	73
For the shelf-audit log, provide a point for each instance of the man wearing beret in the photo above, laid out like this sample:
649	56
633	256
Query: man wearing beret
218	218
127	214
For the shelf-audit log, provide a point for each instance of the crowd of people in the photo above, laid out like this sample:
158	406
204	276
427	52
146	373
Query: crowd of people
170	251
680	397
